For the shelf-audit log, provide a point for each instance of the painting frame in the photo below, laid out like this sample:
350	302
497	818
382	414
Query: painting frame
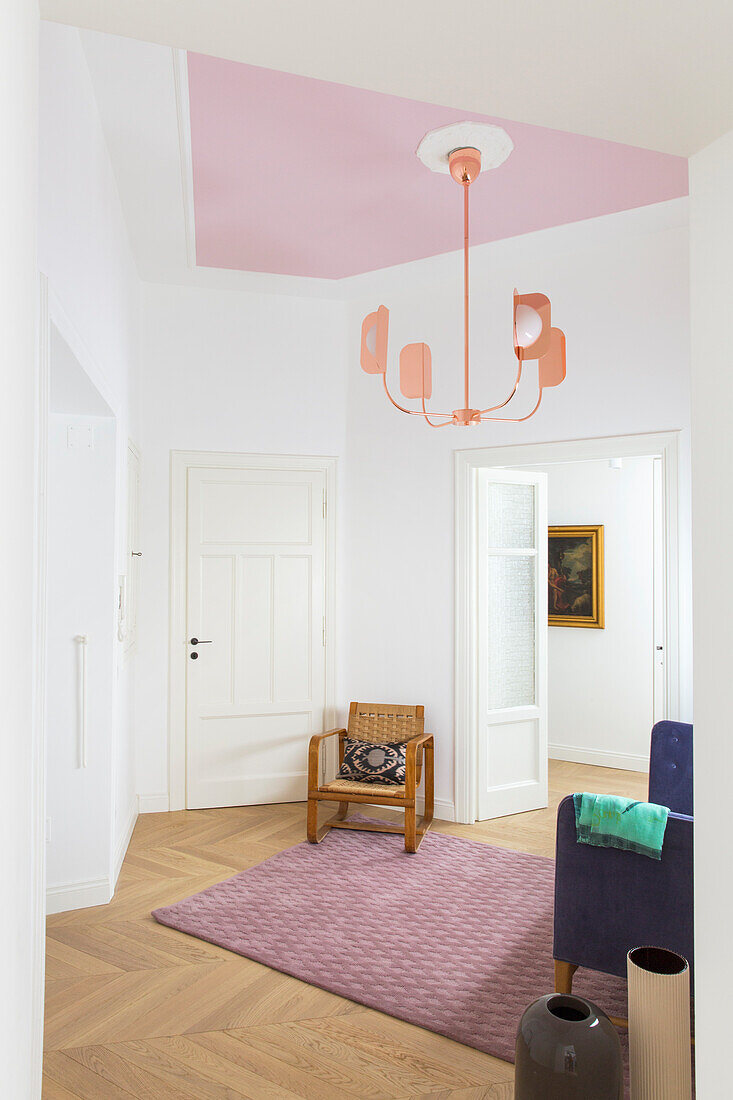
594	533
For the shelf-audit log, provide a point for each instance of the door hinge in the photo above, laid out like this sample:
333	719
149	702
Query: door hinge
324	629
324	504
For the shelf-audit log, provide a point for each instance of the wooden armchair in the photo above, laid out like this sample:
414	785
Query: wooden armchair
384	724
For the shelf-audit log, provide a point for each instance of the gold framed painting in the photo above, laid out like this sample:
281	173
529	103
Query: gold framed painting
575	576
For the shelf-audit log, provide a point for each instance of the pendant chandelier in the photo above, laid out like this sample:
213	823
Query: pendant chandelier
460	150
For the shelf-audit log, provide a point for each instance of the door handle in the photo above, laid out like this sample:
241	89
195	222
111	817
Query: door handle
202	641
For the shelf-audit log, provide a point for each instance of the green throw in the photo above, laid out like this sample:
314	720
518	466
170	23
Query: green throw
608	821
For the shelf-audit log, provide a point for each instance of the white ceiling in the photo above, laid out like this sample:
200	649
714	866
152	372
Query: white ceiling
651	73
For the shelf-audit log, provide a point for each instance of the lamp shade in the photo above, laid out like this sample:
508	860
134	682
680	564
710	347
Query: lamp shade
416	372
374	335
551	366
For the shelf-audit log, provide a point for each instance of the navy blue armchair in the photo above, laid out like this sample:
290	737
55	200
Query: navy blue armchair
607	900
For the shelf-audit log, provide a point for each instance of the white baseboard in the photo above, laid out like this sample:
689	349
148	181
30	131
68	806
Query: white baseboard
153	803
98	891
78	895
624	760
444	810
124	842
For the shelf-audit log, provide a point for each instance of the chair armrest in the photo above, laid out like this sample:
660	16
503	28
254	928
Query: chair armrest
419	740
608	900
413	760
314	752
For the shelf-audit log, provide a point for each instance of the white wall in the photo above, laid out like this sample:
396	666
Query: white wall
94	294
711	234
227	370
21	923
601	681
619	290
223	371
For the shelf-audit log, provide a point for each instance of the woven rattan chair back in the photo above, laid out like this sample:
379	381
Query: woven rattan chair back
385	723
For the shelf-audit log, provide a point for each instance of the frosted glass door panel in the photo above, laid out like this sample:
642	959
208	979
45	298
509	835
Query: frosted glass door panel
512	642
510	516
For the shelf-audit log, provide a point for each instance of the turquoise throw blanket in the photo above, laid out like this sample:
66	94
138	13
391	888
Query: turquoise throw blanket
608	821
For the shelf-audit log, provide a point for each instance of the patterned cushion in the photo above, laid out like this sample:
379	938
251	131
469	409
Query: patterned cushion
370	763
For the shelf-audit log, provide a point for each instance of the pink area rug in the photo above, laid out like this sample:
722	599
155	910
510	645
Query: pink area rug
456	938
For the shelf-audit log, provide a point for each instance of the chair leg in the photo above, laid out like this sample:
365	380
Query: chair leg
312	821
429	785
411	829
564	976
314	834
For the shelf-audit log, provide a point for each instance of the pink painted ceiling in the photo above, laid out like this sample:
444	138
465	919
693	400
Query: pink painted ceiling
303	177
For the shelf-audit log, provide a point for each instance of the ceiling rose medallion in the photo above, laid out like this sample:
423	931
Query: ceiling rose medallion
463	149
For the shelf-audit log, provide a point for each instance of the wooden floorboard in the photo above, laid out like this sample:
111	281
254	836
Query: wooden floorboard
135	1009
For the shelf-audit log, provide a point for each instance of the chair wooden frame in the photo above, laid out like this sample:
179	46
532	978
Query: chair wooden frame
383	723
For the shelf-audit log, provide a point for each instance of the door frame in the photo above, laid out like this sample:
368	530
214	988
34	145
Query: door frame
181	463
664	445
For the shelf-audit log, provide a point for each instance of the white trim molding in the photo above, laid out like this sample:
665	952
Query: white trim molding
154	803
664	445
181	463
624	760
183	119
37	789
444	810
66	896
124	842
78	895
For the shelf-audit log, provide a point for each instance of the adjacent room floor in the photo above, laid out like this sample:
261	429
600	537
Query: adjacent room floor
137	1009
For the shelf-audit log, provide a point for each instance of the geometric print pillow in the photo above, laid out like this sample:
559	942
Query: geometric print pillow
369	763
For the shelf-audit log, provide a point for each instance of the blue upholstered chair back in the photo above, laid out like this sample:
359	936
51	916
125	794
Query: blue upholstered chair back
670	767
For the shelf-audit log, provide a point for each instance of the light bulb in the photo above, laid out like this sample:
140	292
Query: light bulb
528	326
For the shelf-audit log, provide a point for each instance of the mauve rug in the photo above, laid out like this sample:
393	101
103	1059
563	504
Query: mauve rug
456	938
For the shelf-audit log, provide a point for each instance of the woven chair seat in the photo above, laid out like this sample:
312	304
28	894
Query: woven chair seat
352	786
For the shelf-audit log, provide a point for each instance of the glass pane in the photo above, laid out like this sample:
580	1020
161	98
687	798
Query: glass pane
510	516
511	632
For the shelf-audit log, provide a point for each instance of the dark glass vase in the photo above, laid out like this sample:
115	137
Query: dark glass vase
567	1049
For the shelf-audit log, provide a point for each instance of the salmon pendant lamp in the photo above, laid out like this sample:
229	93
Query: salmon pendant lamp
462	150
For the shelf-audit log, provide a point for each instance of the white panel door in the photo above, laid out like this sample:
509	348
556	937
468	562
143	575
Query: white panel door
255	605
511	618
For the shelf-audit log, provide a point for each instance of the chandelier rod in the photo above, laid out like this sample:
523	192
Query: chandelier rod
466	182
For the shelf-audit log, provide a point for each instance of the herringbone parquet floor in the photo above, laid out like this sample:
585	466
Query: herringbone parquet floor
134	1009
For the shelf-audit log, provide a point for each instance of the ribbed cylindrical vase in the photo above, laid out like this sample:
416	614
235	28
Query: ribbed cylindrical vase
567	1049
659	1024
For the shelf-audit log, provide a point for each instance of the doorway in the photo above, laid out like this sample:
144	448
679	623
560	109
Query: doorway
606	686
652	462
251	629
